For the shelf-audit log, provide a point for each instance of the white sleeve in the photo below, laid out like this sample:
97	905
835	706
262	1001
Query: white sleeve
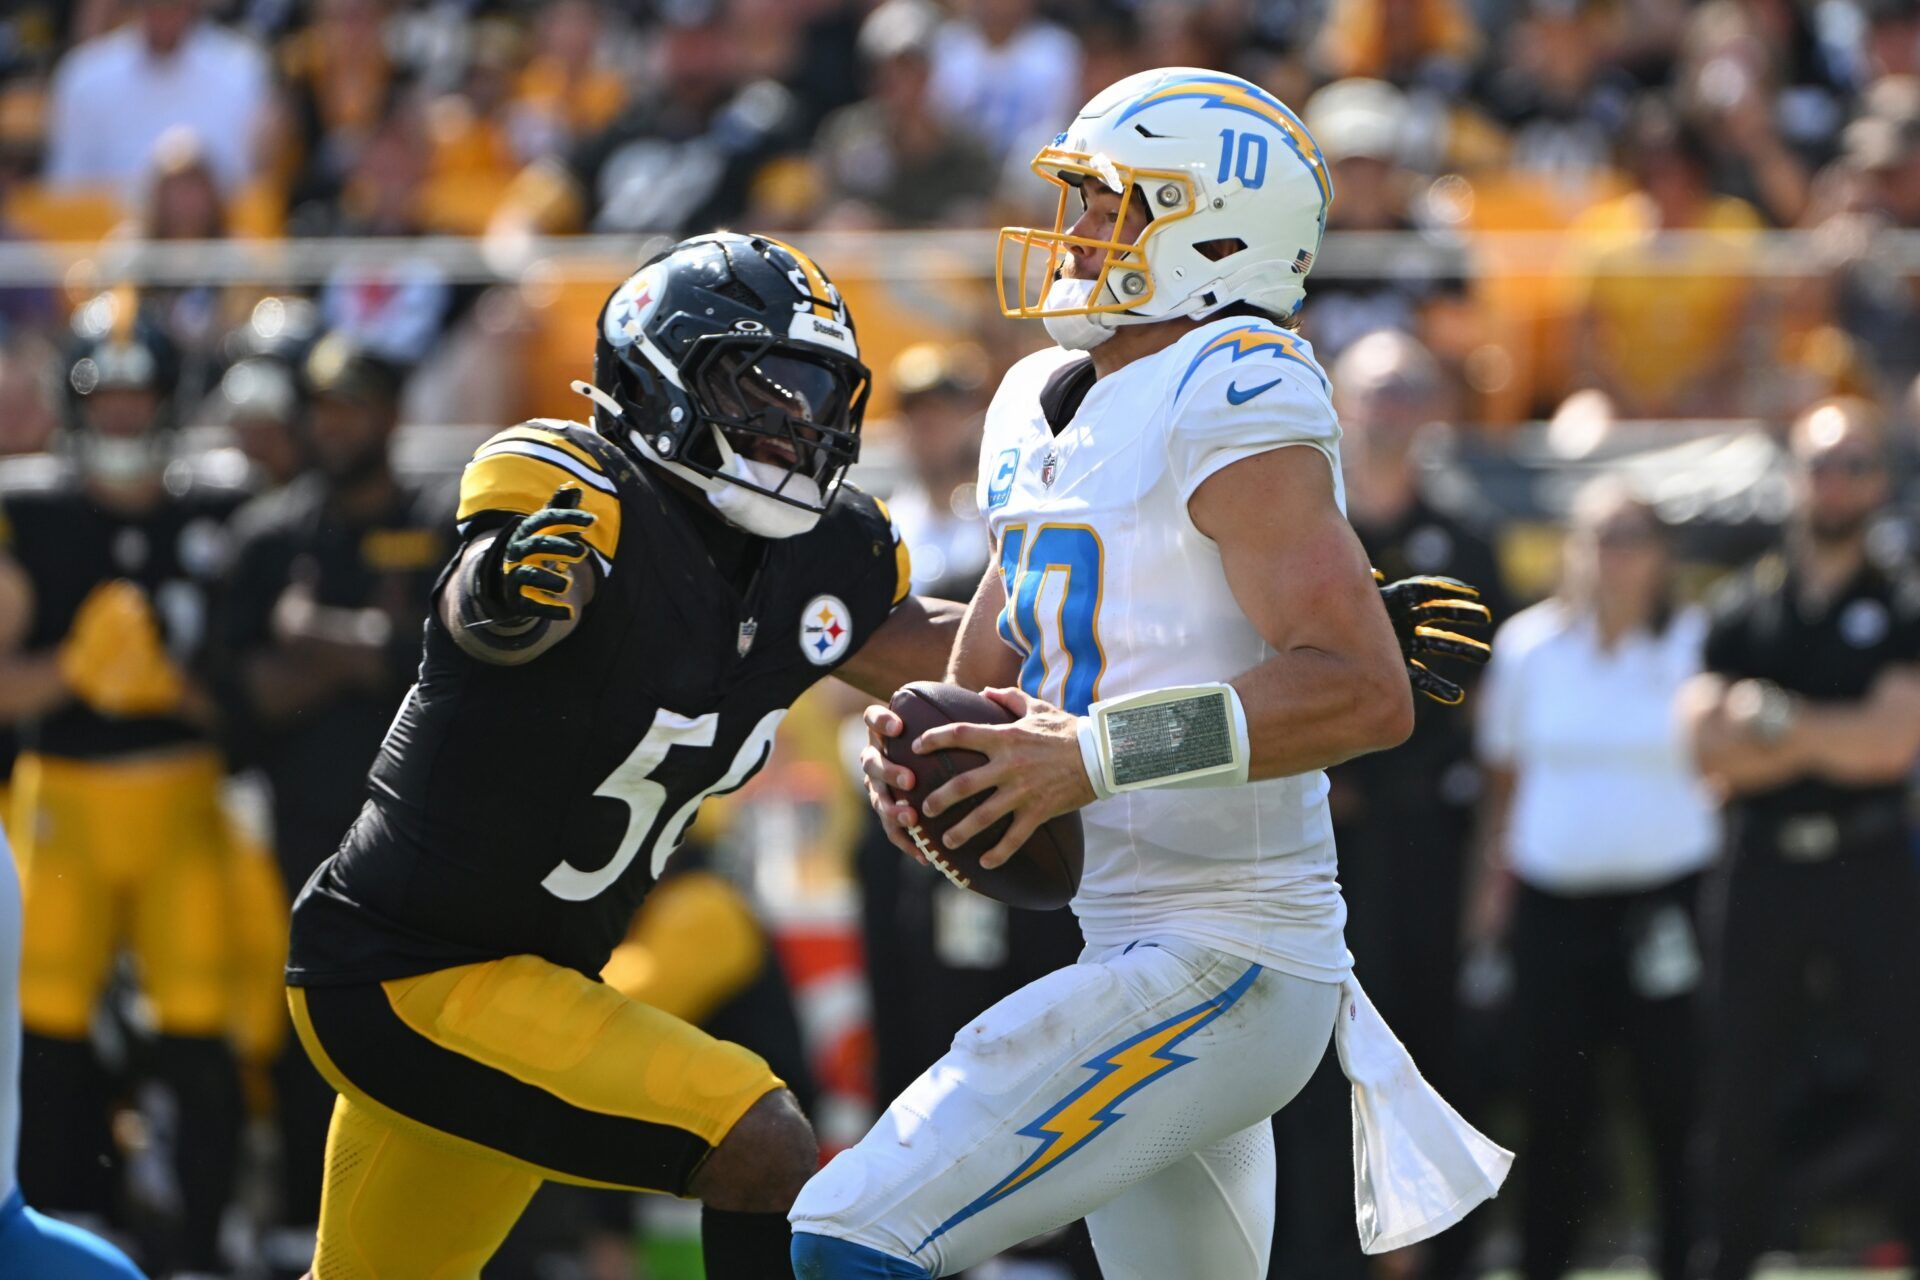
70	136
1227	409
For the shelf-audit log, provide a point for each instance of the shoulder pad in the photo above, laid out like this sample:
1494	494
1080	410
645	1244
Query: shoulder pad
883	518
1256	340
519	470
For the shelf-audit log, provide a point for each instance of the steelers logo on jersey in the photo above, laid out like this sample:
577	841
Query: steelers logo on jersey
826	630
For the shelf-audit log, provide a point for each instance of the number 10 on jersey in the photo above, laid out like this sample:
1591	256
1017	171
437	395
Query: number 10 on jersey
1052	614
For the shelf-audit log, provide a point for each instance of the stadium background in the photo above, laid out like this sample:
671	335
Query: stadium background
1639	236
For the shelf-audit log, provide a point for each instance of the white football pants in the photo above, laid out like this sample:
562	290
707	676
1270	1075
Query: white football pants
1132	1089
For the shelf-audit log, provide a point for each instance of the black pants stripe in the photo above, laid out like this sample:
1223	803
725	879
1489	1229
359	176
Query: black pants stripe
403	1070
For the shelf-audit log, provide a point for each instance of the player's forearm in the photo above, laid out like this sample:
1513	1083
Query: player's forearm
980	659
1731	760
1867	743
467	611
30	685
1310	709
912	644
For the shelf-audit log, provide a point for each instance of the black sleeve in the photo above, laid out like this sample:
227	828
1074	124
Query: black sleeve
260	572
1905	642
1729	612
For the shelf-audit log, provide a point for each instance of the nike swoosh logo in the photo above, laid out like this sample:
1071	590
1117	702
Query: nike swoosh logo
1236	396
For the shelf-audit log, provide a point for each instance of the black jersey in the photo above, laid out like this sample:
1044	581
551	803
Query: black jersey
1760	629
68	544
527	810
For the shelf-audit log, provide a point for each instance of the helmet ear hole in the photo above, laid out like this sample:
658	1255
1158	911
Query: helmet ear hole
1215	250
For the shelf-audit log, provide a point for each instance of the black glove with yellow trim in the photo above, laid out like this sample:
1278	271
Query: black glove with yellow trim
537	557
1419	609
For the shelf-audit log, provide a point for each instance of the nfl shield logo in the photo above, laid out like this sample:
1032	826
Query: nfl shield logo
1050	468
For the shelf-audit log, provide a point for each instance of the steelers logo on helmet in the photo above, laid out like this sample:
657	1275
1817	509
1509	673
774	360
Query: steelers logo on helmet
1234	194
631	306
730	362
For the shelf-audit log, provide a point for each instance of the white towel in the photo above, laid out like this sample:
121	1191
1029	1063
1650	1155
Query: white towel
1418	1168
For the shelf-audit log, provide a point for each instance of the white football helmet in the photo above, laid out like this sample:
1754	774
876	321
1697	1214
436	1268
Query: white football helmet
1217	160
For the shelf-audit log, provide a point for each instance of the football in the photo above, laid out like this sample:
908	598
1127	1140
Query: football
1045	873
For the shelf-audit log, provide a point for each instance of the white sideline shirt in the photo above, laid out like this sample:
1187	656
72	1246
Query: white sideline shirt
112	99
1605	797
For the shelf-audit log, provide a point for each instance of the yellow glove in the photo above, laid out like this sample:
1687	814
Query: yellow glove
114	659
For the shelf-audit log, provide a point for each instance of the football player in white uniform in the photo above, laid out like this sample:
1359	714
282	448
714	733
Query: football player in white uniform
1185	625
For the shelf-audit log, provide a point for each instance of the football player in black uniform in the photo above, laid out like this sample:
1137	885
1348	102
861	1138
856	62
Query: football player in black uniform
634	606
105	570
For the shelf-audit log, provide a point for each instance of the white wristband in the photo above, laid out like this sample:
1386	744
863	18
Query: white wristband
1090	757
1187	736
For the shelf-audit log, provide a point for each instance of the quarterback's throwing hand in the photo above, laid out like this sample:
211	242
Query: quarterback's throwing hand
538	556
1420	608
1034	769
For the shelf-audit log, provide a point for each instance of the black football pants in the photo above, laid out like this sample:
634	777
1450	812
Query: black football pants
1594	973
1767	920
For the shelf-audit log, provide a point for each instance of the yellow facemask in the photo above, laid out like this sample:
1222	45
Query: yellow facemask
1024	281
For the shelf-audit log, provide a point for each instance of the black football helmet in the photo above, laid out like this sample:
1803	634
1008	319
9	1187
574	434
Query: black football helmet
117	346
730	360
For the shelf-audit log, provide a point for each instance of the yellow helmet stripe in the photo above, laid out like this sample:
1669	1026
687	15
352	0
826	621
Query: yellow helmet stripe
817	284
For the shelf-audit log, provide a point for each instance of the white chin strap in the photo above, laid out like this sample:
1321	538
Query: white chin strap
756	513
1075	333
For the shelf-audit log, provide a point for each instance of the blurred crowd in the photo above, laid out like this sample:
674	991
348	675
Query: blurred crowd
1530	154
1574	198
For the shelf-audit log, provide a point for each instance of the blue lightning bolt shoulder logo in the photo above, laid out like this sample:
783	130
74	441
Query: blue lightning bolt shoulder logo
1090	1110
1249	340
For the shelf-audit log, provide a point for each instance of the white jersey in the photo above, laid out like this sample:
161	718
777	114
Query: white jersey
1111	590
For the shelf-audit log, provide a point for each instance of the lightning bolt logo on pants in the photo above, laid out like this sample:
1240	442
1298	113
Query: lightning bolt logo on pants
1090	1110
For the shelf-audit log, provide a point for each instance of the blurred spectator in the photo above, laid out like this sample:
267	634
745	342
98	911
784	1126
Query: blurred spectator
571	86
320	639
339	82
1892	44
180	200
685	158
1559	96
1660	342
1872	188
892	158
32	1244
259	404
108	570
114	96
1597	834
472	159
1428	44
1361	126
395	310
28	417
942	392
1729	86
1807	722
1006	75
